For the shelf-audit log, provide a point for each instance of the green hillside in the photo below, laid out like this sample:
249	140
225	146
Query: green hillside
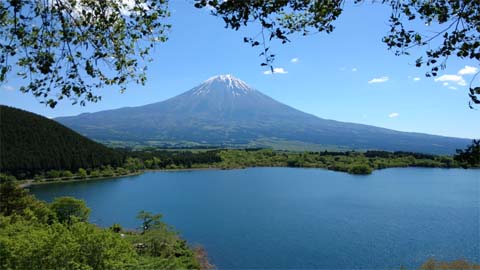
30	143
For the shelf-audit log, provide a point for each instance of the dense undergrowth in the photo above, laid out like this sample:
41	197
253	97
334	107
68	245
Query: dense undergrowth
57	235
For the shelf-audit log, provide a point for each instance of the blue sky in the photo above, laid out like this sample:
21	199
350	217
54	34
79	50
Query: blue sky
347	75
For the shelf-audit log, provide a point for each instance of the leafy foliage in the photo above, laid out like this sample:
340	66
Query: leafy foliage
469	157
432	264
69	209
78	45
32	236
31	245
350	162
278	20
149	220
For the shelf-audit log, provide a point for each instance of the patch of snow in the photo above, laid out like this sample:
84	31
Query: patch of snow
237	86
230	80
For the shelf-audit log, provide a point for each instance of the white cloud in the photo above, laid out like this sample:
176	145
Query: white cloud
445	84
8	88
393	115
276	70
452	78
294	60
468	70
354	69
416	79
379	80
452	87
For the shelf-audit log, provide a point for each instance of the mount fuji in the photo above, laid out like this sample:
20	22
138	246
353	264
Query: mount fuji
225	111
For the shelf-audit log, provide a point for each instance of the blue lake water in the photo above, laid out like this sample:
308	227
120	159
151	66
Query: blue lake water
279	218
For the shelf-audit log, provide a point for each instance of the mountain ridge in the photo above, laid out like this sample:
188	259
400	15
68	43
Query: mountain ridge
226	111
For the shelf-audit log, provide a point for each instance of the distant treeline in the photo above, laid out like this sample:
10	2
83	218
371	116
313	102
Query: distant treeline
162	159
34	147
151	159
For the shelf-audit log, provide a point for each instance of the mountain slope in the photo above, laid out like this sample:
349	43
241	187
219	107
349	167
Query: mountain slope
30	143
226	111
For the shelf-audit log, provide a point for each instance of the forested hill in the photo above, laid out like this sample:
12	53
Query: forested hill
30	143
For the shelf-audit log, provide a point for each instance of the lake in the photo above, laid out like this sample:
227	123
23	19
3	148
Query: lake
280	218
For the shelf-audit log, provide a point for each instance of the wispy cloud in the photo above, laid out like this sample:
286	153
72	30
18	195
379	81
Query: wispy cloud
295	60
452	87
354	69
468	70
452	78
276	71
393	115
8	88
416	79
379	80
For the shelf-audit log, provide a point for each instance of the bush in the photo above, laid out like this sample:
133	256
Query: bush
82	173
53	174
360	169
69	208
67	174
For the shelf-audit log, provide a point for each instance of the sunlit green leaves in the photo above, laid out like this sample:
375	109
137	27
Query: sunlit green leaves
70	48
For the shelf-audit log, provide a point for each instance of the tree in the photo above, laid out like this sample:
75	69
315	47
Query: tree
13	199
149	220
82	173
81	245
69	208
76	46
459	20
72	45
469	157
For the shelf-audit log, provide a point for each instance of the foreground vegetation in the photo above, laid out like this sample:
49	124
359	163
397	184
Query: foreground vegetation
433	264
38	235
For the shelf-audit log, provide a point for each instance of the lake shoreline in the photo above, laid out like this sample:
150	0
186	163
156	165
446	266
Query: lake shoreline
31	182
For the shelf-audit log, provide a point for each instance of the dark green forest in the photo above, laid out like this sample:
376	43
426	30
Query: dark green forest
31	143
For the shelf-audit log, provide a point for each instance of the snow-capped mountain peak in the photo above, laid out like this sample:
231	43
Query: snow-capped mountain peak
223	83
230	81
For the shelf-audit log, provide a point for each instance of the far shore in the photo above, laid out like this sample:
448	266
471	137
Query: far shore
30	182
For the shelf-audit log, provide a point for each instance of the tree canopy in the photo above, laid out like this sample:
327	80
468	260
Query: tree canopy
459	21
68	208
75	46
38	235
